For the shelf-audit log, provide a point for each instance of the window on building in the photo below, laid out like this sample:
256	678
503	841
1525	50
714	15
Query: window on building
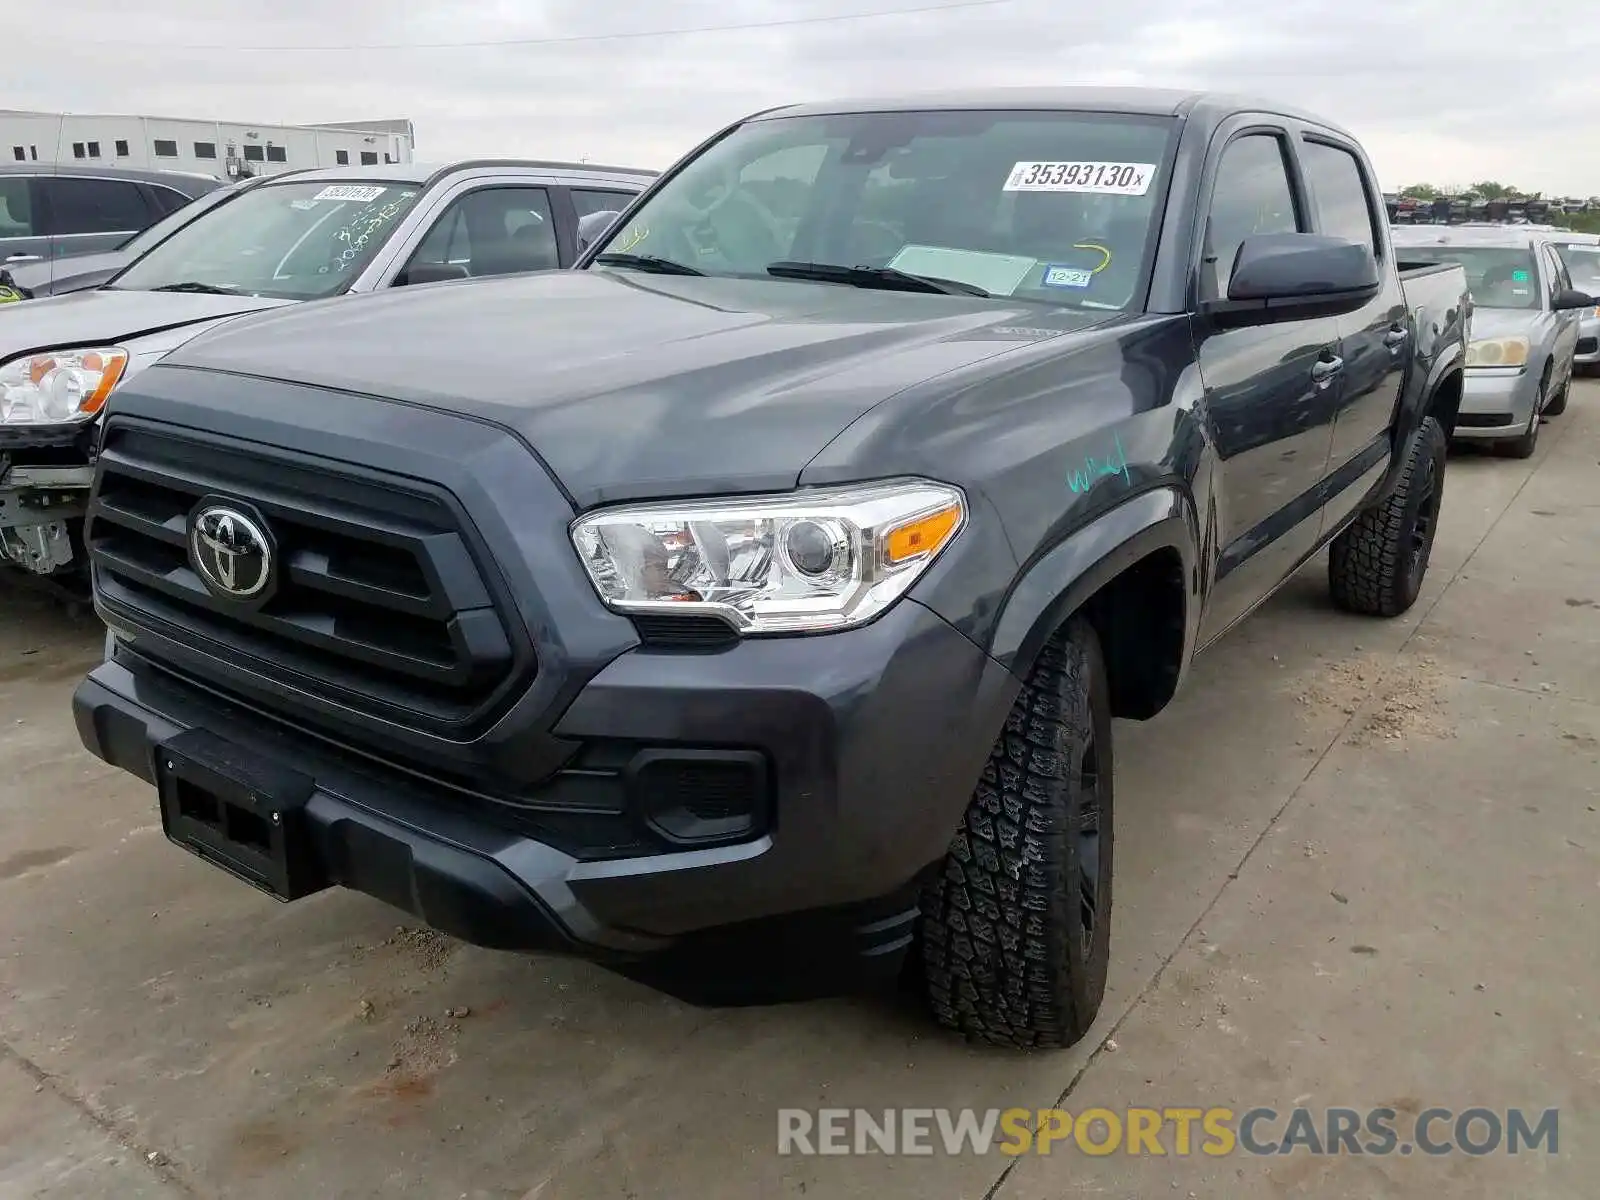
254	154
77	149
96	206
94	149
205	149
277	154
33	153
342	157
20	153
387	157
166	149
369	158
122	148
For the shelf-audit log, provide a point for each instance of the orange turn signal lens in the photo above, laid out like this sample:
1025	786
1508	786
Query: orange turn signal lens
923	536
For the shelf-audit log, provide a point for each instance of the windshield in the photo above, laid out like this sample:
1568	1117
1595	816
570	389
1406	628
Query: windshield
294	240
1583	264
1043	206
1497	276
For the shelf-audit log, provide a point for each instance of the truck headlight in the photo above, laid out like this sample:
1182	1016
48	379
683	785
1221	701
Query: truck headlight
59	386
1498	352
796	563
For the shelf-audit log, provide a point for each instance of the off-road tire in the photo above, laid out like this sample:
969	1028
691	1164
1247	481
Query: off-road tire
1376	566
1004	955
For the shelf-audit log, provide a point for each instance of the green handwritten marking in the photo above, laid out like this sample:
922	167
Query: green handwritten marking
1095	469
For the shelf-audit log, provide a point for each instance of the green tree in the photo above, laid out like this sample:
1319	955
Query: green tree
1422	191
1490	190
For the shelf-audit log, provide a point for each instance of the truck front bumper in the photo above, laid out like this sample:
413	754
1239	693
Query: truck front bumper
1496	403
873	741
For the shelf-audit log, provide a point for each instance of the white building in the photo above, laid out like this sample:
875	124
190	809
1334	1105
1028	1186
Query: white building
227	149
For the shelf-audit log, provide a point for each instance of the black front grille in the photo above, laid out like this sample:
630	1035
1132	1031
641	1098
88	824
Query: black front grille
1587	345
1490	420
381	604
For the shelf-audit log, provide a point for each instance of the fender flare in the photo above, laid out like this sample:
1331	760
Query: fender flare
1058	583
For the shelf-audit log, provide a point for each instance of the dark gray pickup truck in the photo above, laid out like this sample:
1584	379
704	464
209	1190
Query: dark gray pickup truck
748	608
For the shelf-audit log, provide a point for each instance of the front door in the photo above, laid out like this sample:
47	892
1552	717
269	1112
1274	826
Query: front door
1271	391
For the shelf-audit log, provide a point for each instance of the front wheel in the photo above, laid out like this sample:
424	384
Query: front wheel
1558	402
1376	566
1016	927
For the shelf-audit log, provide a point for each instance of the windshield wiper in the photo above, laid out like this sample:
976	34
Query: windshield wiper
191	285
653	263
885	278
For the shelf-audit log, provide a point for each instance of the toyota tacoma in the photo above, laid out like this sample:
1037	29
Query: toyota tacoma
748	608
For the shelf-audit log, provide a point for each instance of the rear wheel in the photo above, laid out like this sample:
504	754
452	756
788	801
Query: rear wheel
1016	927
1376	566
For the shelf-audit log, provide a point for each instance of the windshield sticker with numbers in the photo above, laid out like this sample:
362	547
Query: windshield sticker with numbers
345	191
1057	276
1103	178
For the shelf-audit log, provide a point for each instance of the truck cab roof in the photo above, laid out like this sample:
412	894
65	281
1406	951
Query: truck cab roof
1203	106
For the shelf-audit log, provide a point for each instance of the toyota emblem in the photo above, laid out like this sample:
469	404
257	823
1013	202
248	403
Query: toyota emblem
232	552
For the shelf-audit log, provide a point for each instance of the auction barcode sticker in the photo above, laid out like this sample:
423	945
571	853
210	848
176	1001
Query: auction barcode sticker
1106	178
346	191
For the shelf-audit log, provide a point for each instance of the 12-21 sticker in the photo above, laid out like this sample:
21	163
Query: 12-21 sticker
1104	178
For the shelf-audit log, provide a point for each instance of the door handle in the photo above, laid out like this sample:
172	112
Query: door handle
1396	337
23	258
1324	369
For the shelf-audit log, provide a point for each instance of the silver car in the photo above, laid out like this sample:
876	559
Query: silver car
1524	326
1580	254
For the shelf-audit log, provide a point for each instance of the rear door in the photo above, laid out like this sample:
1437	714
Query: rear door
87	214
1271	391
22	232
1375	340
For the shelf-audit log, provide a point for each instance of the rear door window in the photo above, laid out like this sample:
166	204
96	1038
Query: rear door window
1339	193
80	206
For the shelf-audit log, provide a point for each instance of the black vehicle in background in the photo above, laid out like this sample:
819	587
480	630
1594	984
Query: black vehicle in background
50	212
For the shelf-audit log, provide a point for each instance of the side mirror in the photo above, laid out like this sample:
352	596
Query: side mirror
592	227
1570	298
1296	276
431	273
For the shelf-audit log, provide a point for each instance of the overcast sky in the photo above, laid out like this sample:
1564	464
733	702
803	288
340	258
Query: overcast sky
1445	91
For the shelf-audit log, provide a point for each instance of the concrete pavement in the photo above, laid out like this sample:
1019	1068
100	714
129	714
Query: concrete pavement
1358	865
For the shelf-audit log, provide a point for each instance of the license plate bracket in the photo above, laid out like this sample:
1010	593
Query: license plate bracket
240	812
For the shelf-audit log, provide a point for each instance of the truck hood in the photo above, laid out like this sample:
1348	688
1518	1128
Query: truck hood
630	385
105	317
